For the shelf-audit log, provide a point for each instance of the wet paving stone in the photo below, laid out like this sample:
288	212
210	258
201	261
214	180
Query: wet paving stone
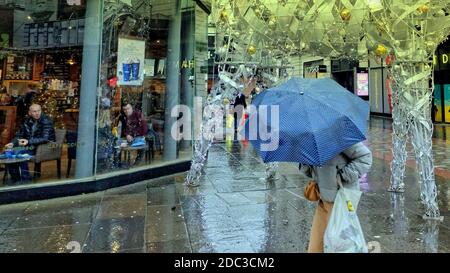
165	195
189	203
258	197
161	182
124	206
52	218
72	202
174	246
131	189
296	242
239	185
6	221
44	240
222	241
161	216
115	235
14	209
235	199
210	202
234	209
163	231
408	243
133	250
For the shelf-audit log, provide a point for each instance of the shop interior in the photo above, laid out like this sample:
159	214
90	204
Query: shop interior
40	62
43	64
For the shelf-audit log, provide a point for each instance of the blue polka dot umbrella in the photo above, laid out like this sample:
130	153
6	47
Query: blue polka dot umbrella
316	120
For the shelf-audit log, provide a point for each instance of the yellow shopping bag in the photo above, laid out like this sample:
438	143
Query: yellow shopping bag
230	121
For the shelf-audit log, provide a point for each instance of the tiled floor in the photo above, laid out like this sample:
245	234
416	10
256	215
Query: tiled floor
234	210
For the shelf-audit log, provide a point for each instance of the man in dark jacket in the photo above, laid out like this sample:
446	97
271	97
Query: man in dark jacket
35	130
238	110
135	126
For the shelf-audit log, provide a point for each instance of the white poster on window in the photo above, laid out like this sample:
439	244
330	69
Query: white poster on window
130	61
161	67
149	67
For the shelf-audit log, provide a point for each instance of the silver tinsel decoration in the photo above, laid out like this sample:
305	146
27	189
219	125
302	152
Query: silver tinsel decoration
271	170
225	89
411	101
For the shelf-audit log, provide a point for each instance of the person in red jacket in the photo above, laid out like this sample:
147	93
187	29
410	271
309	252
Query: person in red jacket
135	126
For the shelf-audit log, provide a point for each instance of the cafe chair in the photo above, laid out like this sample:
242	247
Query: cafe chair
49	152
71	138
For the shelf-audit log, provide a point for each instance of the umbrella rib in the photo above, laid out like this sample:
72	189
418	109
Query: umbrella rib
331	107
314	136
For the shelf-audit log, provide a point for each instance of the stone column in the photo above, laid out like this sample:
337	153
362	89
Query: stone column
88	93
172	94
187	84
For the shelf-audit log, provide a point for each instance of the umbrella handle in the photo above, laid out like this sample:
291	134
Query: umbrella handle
339	178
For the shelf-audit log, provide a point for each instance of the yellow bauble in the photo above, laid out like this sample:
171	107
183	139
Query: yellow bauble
381	50
226	101
223	16
423	9
272	21
345	14
251	49
430	45
302	45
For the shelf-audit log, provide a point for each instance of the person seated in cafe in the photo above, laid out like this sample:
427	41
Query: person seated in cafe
36	129
135	126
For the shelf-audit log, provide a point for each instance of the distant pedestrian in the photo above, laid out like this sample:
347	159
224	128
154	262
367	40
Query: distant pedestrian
434	111
238	109
254	93
351	164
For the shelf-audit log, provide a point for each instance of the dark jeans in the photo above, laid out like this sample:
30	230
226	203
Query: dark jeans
140	154
156	140
19	171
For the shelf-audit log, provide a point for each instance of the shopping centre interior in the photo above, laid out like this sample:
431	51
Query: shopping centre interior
83	60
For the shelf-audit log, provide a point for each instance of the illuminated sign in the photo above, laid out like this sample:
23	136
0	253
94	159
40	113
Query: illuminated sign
362	84
443	59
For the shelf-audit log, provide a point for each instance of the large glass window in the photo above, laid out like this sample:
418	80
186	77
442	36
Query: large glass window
41	49
147	71
97	87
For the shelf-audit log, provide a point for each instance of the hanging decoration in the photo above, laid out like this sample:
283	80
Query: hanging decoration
411	31
406	31
48	100
345	14
381	51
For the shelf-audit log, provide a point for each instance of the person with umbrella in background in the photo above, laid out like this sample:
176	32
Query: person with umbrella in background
319	125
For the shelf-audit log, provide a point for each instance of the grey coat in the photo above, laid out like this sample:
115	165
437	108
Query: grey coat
351	164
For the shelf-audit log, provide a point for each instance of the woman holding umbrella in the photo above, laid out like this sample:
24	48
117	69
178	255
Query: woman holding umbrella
350	165
319	124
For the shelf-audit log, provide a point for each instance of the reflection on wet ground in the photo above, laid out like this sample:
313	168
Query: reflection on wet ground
234	210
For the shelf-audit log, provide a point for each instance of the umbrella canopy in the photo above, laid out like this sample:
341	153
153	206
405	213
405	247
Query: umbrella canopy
318	118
